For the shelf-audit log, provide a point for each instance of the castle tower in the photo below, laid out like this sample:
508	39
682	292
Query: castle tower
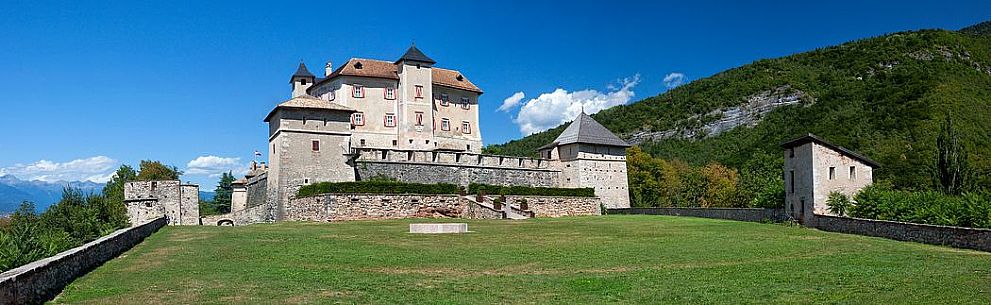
415	109
309	142
592	156
301	80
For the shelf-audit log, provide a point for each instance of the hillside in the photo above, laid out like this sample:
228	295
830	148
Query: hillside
881	96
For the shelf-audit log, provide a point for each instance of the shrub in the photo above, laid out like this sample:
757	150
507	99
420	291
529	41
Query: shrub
838	203
377	187
474	188
927	207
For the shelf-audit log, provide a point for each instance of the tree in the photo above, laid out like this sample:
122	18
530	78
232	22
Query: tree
112	205
951	168
154	170
222	194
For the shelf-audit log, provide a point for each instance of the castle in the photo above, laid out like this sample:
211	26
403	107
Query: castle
413	122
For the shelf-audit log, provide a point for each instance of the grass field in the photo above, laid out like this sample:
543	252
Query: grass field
587	260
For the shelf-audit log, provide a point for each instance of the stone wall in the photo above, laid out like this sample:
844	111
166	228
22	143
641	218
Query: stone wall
149	200
42	280
257	189
474	210
255	214
741	214
336	207
460	174
548	206
958	237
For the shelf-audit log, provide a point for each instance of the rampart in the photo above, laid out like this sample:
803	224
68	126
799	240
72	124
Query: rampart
462	168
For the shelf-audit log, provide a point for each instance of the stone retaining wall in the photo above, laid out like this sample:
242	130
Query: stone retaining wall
741	214
42	280
958	237
334	207
255	214
554	206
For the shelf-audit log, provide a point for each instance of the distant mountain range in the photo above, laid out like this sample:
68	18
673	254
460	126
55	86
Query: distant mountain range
43	194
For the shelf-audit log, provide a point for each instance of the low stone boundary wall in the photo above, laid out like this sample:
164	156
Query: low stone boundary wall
741	214
558	206
957	237
42	280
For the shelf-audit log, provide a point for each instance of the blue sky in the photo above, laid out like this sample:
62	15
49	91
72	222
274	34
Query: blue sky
85	88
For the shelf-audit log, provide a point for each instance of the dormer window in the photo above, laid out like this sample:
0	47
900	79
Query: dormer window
464	103
460	78
357	65
445	100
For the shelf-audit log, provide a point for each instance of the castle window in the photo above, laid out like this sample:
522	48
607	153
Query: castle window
464	103
390	120
853	173
394	143
315	145
445	100
419	118
791	153
832	172
466	127
445	124
469	147
419	91
362	142
358	119
390	93
357	91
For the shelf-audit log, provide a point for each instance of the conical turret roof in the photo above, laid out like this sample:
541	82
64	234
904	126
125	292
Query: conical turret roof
302	71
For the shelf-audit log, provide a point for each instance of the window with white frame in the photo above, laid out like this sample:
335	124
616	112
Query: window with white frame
358	119
465	103
445	124
445	100
419	91
357	91
390	93
465	127
390	120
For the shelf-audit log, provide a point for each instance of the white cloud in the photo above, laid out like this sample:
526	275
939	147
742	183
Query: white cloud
555	108
97	169
512	101
674	79
213	166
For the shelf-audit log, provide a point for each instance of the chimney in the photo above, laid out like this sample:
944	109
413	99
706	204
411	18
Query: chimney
263	167
254	165
328	69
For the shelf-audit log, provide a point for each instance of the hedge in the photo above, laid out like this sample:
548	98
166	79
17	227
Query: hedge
474	188
377	187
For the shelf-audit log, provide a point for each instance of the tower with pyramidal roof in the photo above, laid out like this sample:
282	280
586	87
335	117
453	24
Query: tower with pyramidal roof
591	156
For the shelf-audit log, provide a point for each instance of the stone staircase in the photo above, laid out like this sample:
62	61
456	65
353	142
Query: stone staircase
510	211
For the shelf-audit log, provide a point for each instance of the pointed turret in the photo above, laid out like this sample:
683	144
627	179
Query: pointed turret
415	55
585	130
301	80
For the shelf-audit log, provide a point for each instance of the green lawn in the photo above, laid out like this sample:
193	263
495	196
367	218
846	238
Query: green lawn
585	260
